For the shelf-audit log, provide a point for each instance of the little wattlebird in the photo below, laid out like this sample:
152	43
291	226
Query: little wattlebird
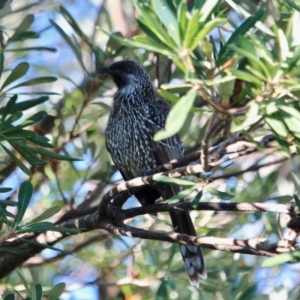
137	114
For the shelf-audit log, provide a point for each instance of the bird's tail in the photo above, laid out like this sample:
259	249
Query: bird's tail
191	255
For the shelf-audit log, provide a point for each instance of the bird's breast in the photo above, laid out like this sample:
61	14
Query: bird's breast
129	140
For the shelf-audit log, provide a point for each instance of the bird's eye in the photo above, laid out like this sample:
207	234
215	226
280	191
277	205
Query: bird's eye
127	70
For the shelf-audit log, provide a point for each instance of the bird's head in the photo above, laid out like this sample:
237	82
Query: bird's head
127	73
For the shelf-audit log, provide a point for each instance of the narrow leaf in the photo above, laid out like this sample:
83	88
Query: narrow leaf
25	194
19	71
75	48
26	49
207	9
15	250
73	24
245	76
281	259
207	28
24	282
178	181
27	153
219	194
26	104
41	141
167	16
17	161
25	24
226	52
9	297
197	199
5	190
177	116
40	80
47	226
1	61
45	215
56	291
9	106
192	29
162	292
182	194
39	291
251	116
49	154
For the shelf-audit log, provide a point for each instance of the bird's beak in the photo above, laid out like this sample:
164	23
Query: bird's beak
104	70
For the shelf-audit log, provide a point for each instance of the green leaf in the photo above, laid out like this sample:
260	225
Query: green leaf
226	52
177	116
45	215
15	133
162	292
44	246
47	226
9	297
5	190
26	104
49	154
41	141
151	45
34	118
197	199
150	20
17	161
277	126
207	28
296	180
145	43
192	29
27	153
75	26
75	48
293	256
182	194
25	194
38	291
19	71
167	16
8	202
293	5
292	111
249	293
259	66
39	80
57	291
182	19
15	250
9	106
207	9
178	181
27	49
25	24
245	76
24	282
218	194
1	61
250	117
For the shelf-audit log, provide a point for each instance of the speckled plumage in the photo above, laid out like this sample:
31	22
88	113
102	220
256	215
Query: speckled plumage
136	115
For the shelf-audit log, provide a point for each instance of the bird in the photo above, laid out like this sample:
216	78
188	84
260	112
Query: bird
137	113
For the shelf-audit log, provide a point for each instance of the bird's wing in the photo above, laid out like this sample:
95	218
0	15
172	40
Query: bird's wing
167	149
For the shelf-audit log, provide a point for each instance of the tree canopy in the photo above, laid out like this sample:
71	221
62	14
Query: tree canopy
71	228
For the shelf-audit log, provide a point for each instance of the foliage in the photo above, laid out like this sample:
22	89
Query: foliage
224	66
